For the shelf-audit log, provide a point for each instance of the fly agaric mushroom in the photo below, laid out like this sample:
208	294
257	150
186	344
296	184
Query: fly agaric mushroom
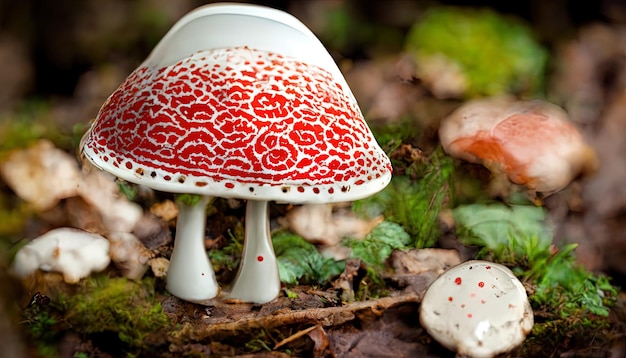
533	143
478	309
237	101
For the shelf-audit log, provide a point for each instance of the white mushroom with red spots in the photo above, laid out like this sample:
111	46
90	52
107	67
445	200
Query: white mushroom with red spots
237	101
478	309
71	252
532	143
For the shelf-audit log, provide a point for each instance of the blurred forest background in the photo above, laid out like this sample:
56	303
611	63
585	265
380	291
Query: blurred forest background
50	49
60	60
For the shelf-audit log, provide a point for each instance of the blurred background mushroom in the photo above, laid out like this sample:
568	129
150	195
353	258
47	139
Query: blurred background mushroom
530	143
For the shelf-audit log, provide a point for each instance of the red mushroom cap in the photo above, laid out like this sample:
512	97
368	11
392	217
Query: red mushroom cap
240	101
239	122
532	142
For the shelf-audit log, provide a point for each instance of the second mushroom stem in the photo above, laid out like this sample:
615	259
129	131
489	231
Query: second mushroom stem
190	275
258	279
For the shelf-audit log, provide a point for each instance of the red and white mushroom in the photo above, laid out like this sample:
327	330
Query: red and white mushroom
478	309
532	143
237	101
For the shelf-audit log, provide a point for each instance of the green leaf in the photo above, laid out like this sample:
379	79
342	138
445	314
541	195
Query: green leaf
189	199
300	262
378	244
129	190
493	225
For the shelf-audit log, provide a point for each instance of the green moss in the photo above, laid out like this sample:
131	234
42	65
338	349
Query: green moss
29	123
300	262
378	244
228	257
43	324
260	342
410	205
415	204
13	217
189	199
392	135
128	189
116	305
573	333
97	305
496	54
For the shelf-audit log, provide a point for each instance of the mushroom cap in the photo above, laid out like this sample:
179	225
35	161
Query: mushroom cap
477	308
533	142
260	111
72	252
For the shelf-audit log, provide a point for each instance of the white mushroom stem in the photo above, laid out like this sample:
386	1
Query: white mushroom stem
258	280
190	276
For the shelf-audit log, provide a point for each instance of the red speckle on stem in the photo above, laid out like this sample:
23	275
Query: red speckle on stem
259	258
483	301
463	305
202	274
457	280
488	267
450	299
469	315
481	284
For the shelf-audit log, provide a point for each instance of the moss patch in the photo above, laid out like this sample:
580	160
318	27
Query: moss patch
116	305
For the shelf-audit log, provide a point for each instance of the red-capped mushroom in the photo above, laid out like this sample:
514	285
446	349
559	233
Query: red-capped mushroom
532	143
237	101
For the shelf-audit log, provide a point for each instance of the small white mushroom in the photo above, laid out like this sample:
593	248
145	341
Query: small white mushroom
478	309
71	252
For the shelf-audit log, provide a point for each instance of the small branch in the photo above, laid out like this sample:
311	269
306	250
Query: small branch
329	316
